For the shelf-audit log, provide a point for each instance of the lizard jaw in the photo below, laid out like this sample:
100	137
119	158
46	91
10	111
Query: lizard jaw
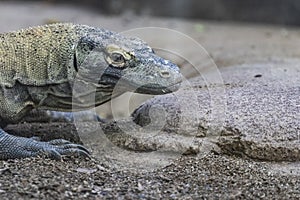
156	89
148	88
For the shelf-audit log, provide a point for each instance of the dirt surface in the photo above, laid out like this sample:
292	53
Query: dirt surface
213	176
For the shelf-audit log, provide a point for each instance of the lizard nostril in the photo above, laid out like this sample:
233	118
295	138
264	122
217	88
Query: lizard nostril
164	74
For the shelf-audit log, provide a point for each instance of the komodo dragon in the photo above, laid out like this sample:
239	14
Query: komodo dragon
39	67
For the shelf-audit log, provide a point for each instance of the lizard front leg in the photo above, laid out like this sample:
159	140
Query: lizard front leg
15	104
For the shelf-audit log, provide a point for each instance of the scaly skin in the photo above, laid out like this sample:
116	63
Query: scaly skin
67	67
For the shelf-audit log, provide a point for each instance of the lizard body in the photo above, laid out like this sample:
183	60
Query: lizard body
40	67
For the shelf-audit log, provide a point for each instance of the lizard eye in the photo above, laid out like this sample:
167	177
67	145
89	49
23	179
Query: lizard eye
117	58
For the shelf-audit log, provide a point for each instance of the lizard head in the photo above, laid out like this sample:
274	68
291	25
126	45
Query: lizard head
111	59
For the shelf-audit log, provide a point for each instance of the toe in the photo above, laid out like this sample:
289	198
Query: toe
59	142
75	146
50	153
75	152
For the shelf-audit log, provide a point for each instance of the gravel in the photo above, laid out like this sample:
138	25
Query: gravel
211	177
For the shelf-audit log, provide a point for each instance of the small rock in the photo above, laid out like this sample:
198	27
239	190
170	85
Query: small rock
86	170
140	187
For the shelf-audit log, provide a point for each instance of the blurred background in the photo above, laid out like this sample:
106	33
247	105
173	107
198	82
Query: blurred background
285	12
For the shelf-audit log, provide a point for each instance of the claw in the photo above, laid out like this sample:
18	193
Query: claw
76	146
56	152
76	152
59	142
65	147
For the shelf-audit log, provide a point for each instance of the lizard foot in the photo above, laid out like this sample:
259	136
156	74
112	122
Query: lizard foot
59	147
20	147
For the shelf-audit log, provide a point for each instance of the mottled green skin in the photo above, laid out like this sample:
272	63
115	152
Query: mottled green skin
35	56
57	67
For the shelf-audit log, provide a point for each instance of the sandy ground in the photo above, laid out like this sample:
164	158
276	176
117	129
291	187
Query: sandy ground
213	176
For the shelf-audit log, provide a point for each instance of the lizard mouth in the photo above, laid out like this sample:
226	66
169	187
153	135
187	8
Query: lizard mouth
157	89
151	88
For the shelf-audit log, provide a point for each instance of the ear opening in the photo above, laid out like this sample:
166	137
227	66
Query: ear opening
75	64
